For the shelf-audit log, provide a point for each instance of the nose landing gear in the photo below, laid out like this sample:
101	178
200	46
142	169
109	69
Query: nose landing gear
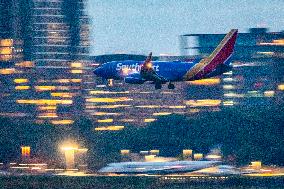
171	86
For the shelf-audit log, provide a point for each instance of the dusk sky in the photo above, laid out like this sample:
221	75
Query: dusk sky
141	26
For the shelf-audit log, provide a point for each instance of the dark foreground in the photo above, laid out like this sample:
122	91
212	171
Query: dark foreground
22	182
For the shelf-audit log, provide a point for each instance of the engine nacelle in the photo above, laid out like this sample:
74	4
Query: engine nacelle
134	79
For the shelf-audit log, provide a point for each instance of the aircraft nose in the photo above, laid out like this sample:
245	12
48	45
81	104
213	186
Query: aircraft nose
99	71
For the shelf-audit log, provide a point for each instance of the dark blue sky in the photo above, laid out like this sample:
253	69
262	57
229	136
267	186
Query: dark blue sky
141	26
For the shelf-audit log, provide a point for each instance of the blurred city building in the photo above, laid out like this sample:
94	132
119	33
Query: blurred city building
44	57
45	74
16	70
257	77
258	43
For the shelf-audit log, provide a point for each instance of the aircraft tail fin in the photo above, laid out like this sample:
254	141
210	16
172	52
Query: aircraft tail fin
221	55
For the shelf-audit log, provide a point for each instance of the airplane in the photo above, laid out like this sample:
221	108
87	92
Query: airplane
156	167
220	170
162	72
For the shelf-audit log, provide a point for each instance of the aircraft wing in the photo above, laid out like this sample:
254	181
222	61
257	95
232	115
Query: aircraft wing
148	72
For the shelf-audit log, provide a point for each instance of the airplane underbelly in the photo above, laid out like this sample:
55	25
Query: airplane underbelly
172	75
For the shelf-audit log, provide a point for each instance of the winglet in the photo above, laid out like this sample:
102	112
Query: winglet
219	56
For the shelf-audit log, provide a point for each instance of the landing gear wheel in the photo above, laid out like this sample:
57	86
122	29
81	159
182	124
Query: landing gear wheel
171	86
158	86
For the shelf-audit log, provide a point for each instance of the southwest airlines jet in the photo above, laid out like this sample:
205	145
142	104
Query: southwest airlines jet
157	167
162	72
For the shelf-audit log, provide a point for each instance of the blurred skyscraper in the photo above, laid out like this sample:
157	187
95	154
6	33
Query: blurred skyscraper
257	76
51	39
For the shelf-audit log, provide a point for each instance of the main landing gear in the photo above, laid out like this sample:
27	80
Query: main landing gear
158	85
171	86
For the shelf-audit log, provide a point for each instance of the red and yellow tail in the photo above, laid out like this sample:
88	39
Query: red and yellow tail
220	55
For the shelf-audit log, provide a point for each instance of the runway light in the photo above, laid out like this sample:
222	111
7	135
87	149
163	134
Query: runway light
256	164
149	158
187	152
213	157
154	152
198	156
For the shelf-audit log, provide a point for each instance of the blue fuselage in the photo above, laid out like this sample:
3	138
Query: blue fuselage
172	71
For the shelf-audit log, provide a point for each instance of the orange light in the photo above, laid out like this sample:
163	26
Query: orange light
48	115
162	113
62	122
281	87
26	151
45	102
26	64
22	88
6	42
124	152
205	102
76	65
76	71
62	81
63	95
125	71
149	120
6	51
198	156
109	100
76	80
5	57
187	152
45	88
105	120
109	128
21	80
149	65
47	107
211	81
7	71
